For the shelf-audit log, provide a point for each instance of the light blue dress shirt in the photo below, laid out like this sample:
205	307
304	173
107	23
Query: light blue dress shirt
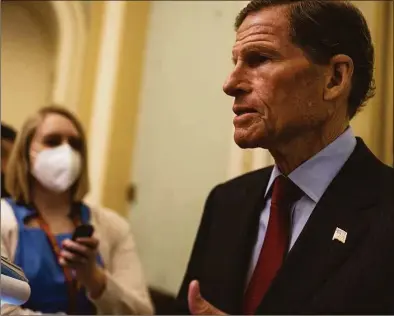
313	178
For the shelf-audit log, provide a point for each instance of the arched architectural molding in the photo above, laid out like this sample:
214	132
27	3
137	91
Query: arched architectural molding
28	56
72	28
67	26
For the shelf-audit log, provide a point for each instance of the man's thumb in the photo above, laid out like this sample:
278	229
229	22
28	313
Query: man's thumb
197	304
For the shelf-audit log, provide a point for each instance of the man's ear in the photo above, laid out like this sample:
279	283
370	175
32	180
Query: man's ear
338	77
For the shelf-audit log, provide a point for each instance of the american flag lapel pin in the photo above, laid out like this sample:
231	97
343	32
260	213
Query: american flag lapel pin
340	235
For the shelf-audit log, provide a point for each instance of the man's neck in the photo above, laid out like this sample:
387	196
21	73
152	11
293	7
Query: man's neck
292	154
50	204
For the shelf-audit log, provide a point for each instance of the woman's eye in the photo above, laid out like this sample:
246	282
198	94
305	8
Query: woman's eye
52	141
76	143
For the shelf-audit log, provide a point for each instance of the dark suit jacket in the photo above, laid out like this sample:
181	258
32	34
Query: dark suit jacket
320	275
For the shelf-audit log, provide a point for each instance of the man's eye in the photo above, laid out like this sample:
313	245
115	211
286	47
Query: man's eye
255	60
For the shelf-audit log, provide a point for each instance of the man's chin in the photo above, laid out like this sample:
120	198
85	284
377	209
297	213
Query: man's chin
245	142
252	135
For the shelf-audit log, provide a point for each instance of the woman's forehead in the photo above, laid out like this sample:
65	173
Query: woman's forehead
56	124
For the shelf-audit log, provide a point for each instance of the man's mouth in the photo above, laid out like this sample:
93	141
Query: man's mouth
239	110
244	115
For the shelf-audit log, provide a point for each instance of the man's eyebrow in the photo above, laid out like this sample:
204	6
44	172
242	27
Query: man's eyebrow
258	48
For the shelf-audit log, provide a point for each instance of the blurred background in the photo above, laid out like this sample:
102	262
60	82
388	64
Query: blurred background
145	78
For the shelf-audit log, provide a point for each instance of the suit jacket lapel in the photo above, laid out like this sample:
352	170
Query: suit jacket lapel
349	204
246	206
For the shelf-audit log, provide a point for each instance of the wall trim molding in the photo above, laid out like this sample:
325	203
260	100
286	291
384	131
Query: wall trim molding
71	20
104	96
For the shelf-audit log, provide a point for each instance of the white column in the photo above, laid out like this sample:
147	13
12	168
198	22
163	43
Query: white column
104	96
71	47
65	51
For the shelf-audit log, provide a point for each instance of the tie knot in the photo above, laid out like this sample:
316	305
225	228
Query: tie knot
285	191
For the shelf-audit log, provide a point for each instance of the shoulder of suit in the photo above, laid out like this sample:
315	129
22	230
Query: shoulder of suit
387	179
379	173
388	170
249	178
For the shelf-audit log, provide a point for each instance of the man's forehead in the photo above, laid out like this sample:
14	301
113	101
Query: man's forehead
255	29
267	21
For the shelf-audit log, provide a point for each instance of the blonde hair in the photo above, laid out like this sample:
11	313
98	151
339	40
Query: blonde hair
18	177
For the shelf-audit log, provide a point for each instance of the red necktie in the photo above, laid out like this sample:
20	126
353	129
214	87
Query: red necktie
276	242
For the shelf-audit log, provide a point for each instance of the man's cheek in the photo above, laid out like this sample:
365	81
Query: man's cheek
275	95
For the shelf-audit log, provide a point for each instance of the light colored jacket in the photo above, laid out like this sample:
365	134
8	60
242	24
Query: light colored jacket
126	291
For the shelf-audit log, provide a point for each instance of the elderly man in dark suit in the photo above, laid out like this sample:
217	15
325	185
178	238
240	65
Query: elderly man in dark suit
313	234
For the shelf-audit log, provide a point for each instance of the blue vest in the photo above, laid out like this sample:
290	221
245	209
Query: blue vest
35	256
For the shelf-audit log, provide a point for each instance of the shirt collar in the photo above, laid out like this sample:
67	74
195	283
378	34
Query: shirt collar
314	175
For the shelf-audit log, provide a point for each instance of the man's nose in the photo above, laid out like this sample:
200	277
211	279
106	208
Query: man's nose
235	84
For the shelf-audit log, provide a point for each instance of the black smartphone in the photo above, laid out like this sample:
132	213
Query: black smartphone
84	230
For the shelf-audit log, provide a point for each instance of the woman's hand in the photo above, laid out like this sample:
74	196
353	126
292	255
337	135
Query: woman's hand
80	256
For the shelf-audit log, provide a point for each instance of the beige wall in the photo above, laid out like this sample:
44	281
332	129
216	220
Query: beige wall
184	130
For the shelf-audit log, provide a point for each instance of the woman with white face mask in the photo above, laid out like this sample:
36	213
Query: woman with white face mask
47	178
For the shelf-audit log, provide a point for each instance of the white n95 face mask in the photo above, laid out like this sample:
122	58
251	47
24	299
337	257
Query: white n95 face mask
57	168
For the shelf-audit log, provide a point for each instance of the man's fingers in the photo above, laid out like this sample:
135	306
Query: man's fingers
196	301
197	304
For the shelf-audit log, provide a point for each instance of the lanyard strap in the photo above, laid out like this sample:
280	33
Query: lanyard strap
72	284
